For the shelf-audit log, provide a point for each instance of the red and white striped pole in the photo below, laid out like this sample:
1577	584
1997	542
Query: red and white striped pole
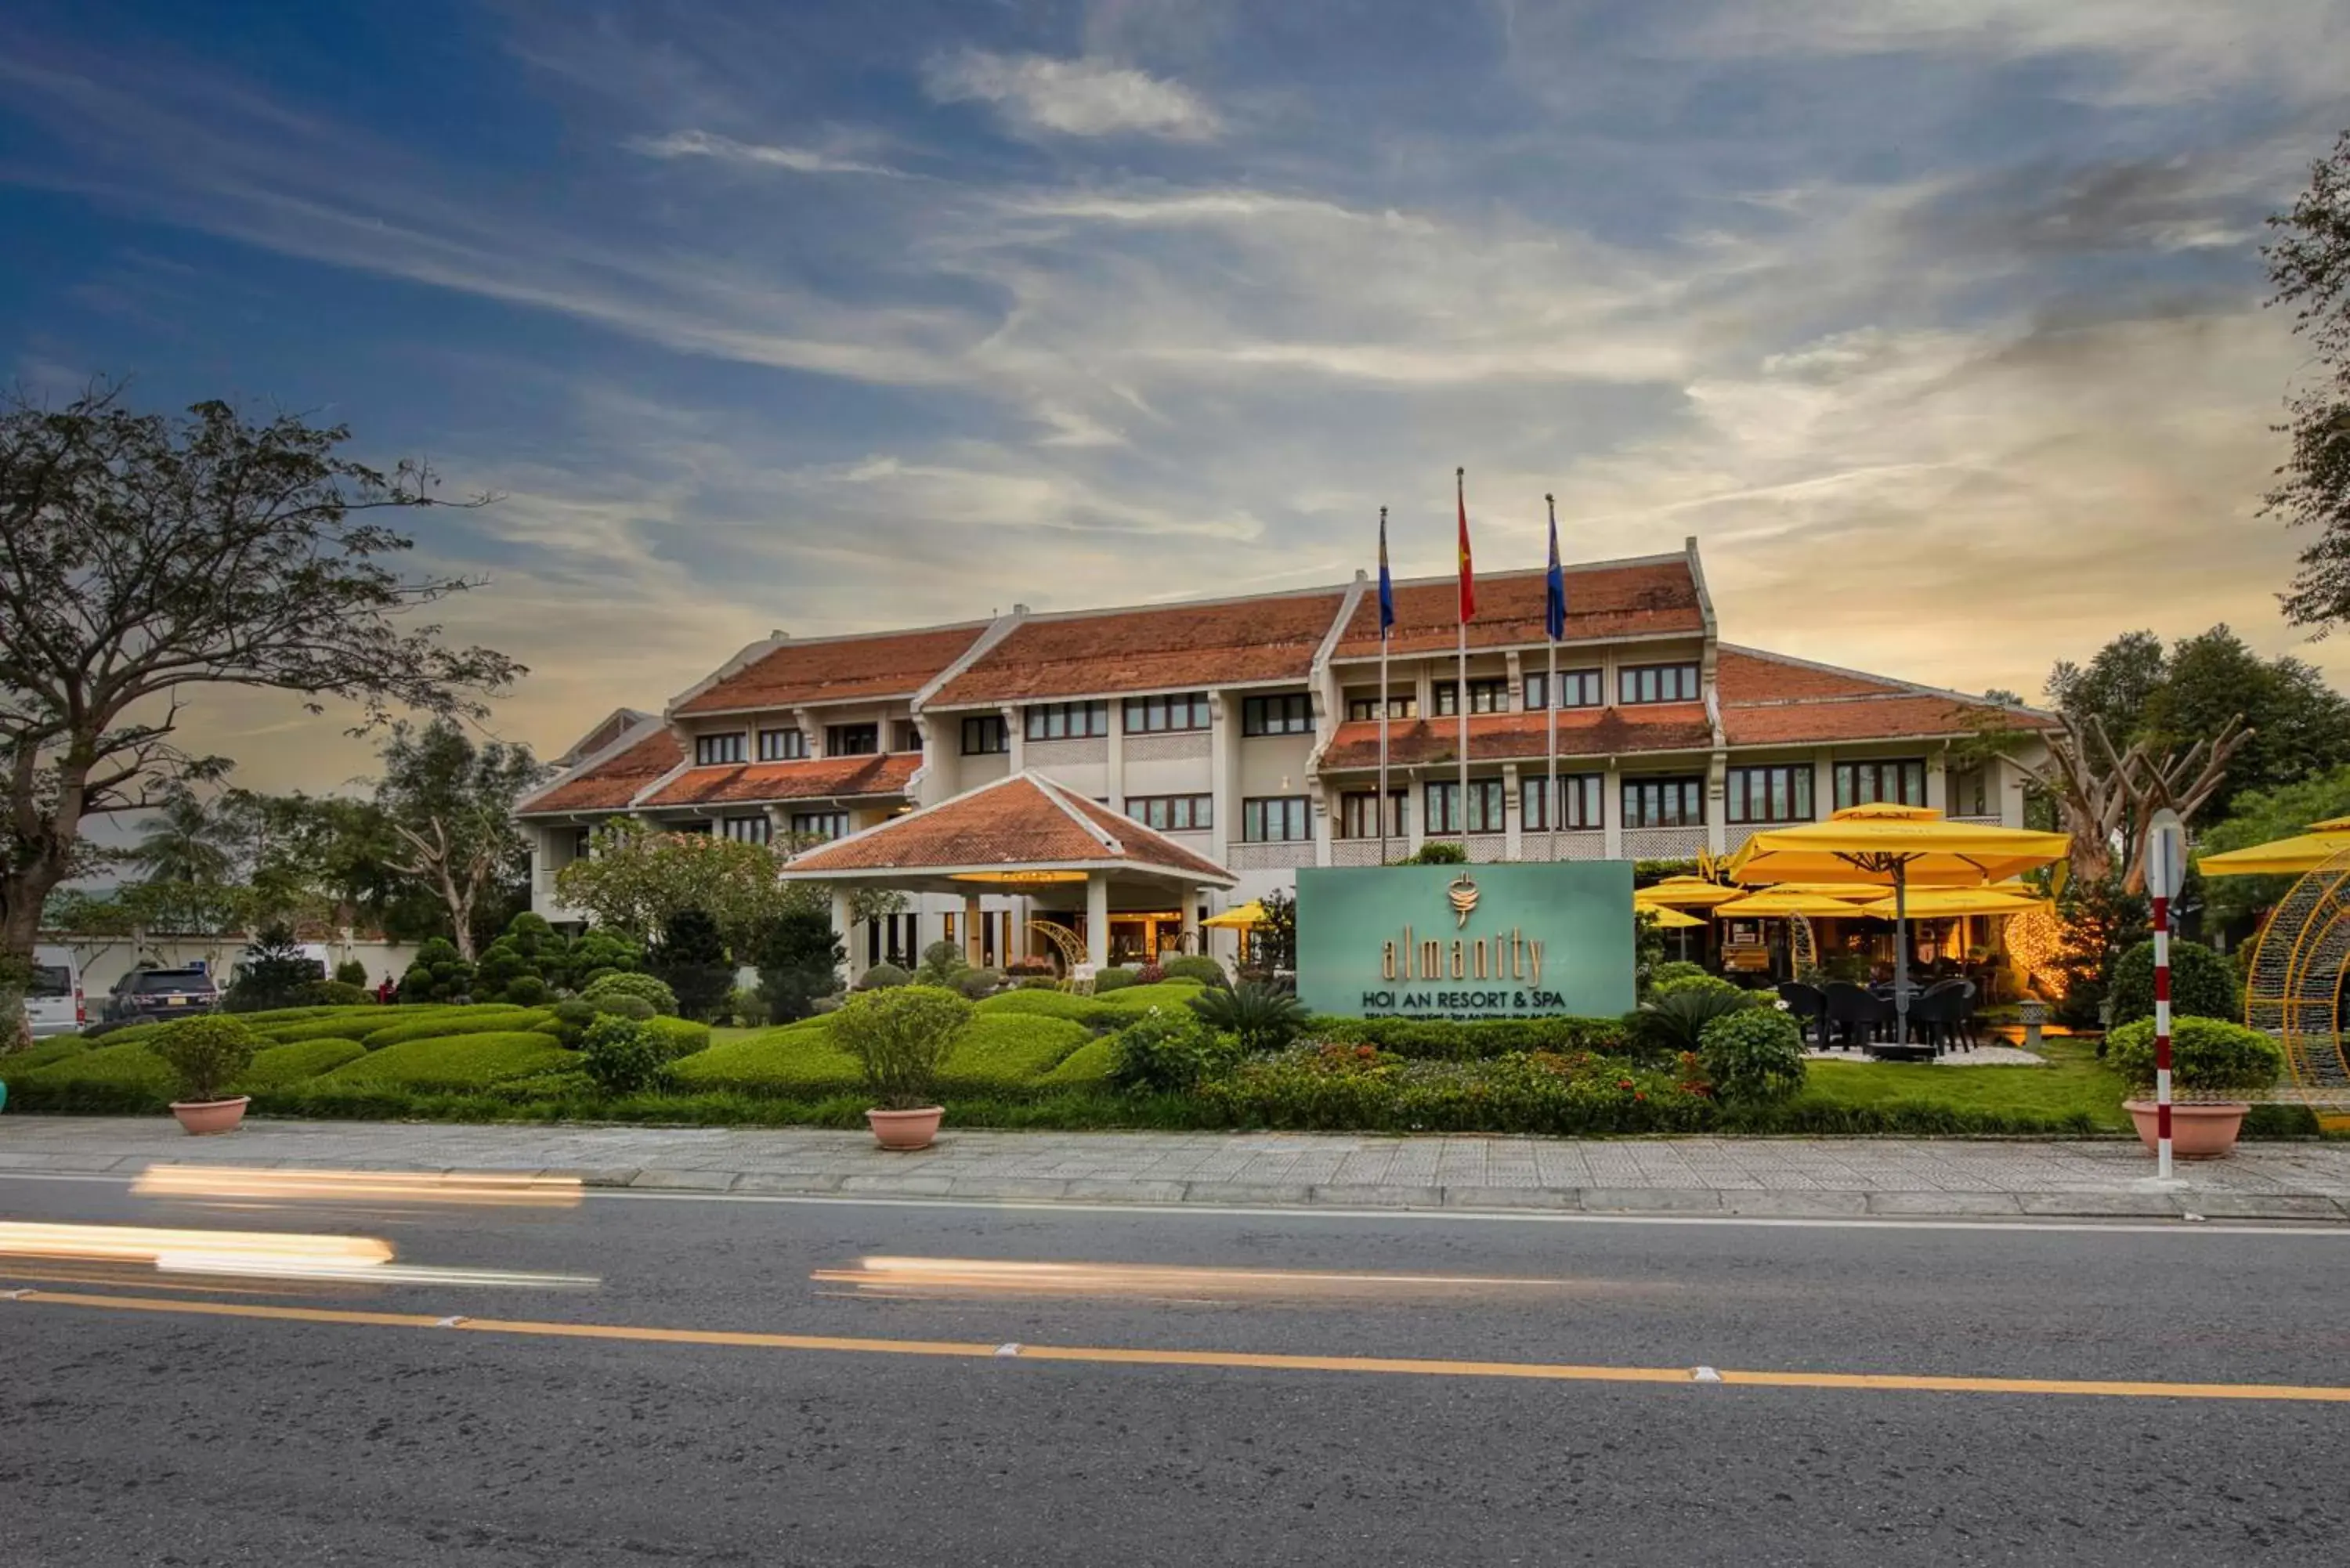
2166	873
2162	1036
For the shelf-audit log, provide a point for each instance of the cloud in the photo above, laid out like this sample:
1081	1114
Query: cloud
726	150
1072	98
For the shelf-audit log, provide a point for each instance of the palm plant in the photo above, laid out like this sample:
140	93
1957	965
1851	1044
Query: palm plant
1265	1017
188	840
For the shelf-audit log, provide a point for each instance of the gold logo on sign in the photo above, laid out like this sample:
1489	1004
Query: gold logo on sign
1463	895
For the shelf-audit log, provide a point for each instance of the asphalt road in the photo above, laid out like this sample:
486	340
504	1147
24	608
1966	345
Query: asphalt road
138	1437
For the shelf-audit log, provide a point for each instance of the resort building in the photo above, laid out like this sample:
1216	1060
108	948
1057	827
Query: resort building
1211	748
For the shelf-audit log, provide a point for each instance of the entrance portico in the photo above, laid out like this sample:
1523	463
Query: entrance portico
1062	854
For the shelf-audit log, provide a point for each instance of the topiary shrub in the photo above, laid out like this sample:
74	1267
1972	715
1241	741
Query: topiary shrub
1674	985
693	960
598	952
336	993
1109	980
941	961
436	974
206	1055
1752	1056
1170	1050
351	972
2202	984
882	977
572	1016
624	1004
526	991
526	963
622	1056
2207	1054
1195	966
645	987
1674	968
678	1036
898	1038
1263	1017
975	983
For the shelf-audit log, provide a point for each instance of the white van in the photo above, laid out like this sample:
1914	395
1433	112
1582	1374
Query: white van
54	1005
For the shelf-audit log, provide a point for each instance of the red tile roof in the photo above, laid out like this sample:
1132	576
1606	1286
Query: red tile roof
1610	599
838	778
1769	699
837	670
1746	675
1021	820
1494	737
1164	649
610	784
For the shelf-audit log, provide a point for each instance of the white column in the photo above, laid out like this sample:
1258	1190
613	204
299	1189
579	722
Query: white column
972	936
1114	756
1415	803
844	926
1611	812
1513	828
1938	767
1224	764
1015	737
1097	919
1717	831
1191	897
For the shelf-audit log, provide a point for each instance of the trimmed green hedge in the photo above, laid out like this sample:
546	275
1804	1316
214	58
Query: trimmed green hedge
304	1059
797	1060
57	1048
455	1061
1142	998
1086	1067
336	1026
679	1036
444	1023
999	1054
1047	1004
106	1077
1441	1039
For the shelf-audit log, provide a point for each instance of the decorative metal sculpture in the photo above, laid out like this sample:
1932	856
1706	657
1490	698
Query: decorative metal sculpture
1066	943
2293	989
1803	947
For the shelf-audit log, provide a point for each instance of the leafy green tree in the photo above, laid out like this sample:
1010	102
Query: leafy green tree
274	972
799	959
692	959
639	877
187	840
2113	688
1276	935
2299	724
2309	263
451	801
147	556
2101	921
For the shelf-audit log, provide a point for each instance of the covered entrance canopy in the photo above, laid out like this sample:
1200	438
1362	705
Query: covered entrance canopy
1021	834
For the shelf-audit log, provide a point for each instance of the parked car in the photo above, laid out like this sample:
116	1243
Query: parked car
54	1004
149	993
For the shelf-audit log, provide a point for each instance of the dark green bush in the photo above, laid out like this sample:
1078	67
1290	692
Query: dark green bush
437	974
941	962
1755	1055
977	984
1678	968
570	1019
336	993
899	1038
1435	852
620	1004
351	972
526	991
1170	1050
1112	979
1195	966
1442	1039
622	1057
692	959
597	953
882	977
526	963
2203	984
799	959
1263	1017
273	972
1663	985
205	1055
2211	1054
645	987
1336	1086
1676	1020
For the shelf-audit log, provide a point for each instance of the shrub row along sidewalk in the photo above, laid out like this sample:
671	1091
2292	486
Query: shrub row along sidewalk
1786	1178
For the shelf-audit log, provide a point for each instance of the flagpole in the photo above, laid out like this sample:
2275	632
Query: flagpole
1553	808
1460	685
1379	806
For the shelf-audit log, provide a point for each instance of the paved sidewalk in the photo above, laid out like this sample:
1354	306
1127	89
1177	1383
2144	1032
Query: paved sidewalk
1793	1176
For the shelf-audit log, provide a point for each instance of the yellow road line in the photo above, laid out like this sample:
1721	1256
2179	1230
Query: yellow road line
1217	1359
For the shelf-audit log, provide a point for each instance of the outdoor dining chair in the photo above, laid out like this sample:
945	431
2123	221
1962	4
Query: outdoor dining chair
1808	1008
1859	1016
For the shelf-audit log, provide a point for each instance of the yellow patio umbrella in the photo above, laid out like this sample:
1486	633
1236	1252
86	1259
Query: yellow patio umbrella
1949	903
1905	847
1670	918
1684	893
1239	916
1777	904
2282	856
1850	892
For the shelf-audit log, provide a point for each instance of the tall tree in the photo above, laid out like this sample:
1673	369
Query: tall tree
2113	688
2309	263
142	558
2299	724
190	838
451	802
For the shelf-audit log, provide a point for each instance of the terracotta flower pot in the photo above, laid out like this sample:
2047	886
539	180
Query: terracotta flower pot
905	1129
201	1117
2197	1131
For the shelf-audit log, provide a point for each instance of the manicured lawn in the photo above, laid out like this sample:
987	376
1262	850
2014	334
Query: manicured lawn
2073	1086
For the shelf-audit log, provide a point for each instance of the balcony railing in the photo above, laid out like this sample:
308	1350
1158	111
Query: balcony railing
1571	843
1662	843
1270	856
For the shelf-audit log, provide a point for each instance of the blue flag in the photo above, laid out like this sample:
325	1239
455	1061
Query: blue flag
1387	582
1554	611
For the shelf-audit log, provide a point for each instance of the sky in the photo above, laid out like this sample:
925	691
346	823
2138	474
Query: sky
1939	323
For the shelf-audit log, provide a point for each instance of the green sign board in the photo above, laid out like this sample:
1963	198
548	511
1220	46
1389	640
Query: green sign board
1466	941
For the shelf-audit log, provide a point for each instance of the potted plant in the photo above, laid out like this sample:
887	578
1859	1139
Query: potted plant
899	1036
207	1055
2211	1058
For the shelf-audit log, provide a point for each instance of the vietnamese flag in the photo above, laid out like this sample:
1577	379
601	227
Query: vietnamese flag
1468	576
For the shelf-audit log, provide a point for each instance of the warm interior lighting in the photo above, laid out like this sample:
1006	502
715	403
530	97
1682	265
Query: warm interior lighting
1016	878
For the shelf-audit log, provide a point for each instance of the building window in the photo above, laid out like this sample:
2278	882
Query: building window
1966	791
1484	805
984	734
1901	782
1782	794
852	740
907	738
1068	721
1173	812
1580	793
819	825
781	745
1485	696
700	824
1153	715
1274	819
1576	689
747	830
1360	819
1289	715
712	750
582	839
1400	705
1664	802
1657	683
